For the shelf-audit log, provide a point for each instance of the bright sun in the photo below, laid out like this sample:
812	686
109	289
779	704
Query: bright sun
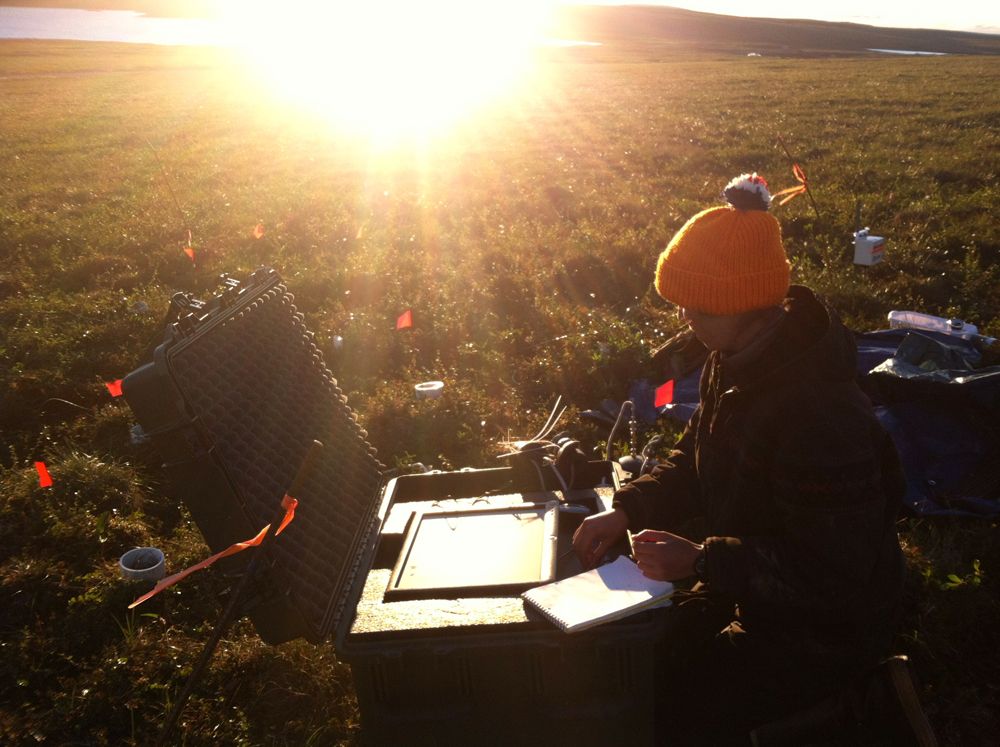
390	68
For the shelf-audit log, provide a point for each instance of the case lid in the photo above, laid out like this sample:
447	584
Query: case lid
479	550
256	388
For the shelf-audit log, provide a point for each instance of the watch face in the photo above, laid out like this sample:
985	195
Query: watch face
699	566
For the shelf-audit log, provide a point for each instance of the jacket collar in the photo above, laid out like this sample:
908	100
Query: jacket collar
808	343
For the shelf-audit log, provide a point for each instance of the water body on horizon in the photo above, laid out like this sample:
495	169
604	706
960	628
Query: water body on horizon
133	27
71	24
907	51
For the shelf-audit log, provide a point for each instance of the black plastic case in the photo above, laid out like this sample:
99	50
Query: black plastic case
233	398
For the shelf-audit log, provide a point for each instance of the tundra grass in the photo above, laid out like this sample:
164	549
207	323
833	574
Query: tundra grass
523	239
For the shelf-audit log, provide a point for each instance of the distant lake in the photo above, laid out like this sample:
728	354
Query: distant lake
132	27
907	51
107	25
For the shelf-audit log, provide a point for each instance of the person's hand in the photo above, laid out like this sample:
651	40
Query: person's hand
664	556
597	533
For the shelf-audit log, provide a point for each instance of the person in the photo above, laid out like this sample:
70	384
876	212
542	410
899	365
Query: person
779	499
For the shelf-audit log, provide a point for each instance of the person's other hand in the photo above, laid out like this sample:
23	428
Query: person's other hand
597	533
664	556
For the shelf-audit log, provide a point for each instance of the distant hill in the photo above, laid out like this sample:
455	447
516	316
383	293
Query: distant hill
657	25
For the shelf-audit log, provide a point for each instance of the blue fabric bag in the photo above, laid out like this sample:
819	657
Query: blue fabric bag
941	410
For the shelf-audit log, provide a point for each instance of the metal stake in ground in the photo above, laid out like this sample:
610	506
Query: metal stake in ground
305	469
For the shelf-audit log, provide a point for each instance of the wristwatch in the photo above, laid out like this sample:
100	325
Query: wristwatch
699	564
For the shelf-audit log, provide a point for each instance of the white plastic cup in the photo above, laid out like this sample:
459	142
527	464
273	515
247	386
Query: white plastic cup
143	563
429	389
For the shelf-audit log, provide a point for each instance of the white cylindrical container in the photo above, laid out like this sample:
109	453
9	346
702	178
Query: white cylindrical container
919	320
429	389
143	563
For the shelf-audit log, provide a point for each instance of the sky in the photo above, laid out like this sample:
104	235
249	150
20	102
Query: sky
958	15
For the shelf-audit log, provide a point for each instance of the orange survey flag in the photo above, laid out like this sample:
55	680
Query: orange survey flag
405	320
114	387
189	249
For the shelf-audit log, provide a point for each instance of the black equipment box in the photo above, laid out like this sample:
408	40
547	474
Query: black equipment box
233	398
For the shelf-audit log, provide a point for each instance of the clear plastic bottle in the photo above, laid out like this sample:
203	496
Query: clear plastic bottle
919	320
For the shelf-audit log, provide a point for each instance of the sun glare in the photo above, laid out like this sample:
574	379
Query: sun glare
390	68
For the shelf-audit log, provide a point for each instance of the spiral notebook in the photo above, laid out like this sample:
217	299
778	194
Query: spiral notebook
608	592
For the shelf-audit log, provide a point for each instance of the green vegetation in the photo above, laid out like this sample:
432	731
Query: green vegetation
524	242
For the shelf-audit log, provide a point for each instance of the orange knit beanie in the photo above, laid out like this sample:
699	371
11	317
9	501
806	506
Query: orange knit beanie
727	260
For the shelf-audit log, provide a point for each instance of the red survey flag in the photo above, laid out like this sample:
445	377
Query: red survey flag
664	394
44	478
114	387
258	231
405	320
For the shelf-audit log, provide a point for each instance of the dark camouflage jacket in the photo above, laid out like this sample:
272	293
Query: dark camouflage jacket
795	480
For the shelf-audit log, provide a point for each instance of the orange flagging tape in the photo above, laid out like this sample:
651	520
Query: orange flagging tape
288	503
793	192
